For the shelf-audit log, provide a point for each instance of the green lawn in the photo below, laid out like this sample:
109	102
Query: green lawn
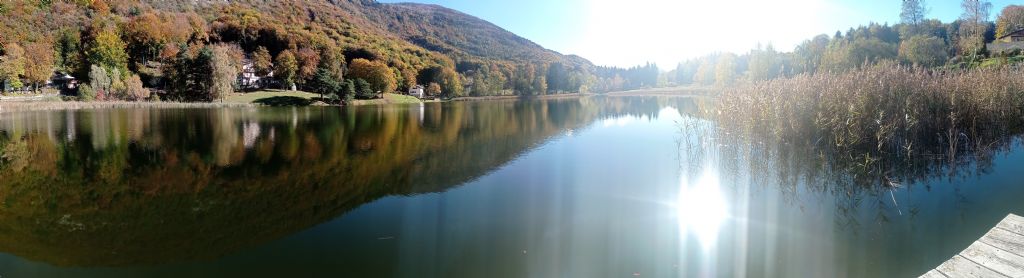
389	99
266	96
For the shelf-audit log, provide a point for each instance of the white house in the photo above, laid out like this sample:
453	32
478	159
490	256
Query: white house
248	79
417	91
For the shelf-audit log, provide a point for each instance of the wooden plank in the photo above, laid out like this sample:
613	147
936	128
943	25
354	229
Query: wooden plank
1001	261
1013	223
1005	240
999	253
959	266
933	274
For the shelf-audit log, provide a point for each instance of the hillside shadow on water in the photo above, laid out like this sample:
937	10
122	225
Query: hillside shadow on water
284	101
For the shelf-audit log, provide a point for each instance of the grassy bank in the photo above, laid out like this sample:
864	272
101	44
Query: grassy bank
300	98
266	96
883	117
388	99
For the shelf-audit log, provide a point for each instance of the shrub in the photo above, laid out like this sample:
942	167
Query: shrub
99	80
333	98
348	90
364	90
433	89
86	93
133	89
925	51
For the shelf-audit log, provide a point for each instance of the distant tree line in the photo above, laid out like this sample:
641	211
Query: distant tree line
916	40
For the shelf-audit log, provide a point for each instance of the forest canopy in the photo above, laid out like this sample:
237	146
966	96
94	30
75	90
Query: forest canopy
184	50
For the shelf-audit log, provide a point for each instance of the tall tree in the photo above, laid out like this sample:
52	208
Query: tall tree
308	60
38	63
451	85
363	89
408	78
262	63
108	50
523	80
69	53
925	51
285	68
556	77
764	63
326	81
725	70
348	90
809	53
540	85
12	65
146	37
378	74
913	12
975	21
224	65
202	74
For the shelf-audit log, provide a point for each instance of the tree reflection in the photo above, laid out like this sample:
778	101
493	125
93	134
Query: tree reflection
148	186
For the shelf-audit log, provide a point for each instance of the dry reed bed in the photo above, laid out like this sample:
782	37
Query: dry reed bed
882	117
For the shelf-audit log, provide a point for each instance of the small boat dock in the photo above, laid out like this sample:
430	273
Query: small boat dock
1000	253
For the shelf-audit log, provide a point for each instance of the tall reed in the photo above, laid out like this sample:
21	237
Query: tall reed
882	117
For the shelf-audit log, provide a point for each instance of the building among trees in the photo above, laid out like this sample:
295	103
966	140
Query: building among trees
1015	36
1010	42
250	78
417	91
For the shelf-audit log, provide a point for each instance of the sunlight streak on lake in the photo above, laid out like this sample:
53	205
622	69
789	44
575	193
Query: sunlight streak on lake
701	208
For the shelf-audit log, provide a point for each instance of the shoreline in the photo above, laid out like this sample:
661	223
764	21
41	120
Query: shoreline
697	91
49	105
515	97
28	106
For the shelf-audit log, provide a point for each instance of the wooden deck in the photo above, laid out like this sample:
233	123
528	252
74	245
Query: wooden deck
1000	253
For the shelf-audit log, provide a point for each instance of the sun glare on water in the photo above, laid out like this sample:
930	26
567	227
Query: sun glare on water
701	208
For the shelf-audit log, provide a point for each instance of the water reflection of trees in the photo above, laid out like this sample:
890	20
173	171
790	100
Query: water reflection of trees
144	186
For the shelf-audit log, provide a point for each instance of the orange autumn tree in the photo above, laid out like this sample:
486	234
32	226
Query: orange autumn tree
378	74
38	63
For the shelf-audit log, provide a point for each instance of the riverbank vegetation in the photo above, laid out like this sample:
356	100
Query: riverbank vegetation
883	105
883	117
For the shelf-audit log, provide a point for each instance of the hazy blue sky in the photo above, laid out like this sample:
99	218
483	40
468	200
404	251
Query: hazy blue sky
630	32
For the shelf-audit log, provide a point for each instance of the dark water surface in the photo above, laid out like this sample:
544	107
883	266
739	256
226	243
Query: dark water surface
588	187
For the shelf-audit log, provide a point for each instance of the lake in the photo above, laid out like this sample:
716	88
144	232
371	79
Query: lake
578	187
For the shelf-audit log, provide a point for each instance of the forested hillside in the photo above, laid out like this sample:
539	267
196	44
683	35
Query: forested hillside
192	50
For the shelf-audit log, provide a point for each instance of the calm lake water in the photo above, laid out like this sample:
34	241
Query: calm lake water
583	187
